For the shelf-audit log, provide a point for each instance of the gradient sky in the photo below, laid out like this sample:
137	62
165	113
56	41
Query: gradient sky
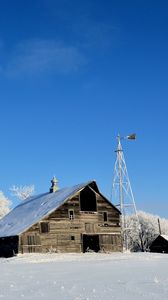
72	75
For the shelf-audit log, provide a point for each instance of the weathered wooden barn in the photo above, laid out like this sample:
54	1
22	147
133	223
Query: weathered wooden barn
160	244
76	219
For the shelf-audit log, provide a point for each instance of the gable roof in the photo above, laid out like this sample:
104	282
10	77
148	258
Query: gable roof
165	237
32	210
157	238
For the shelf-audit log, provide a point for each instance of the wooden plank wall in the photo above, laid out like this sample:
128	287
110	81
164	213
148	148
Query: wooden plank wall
65	235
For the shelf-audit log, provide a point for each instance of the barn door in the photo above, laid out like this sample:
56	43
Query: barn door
91	243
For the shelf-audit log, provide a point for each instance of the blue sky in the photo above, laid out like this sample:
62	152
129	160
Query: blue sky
72	75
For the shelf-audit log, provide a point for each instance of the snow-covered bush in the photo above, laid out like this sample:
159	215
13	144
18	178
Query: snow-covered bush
4	205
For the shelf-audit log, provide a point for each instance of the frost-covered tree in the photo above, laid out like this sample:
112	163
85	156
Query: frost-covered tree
4	205
22	192
139	240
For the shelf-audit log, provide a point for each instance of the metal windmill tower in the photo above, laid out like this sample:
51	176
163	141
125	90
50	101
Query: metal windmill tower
122	191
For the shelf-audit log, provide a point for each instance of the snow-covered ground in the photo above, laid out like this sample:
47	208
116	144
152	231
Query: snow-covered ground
85	276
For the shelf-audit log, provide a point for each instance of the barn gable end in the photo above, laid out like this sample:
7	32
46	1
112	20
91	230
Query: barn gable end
160	244
84	220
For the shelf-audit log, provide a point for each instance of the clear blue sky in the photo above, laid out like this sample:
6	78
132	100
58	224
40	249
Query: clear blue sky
72	75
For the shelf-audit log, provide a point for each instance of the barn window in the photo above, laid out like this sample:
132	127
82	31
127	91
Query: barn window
105	217
88	200
31	240
44	226
71	214
72	238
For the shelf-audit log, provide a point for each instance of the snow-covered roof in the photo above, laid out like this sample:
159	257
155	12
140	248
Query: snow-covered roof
164	236
36	208
156	236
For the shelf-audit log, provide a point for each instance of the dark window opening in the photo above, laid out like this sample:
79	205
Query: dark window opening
88	200
72	238
44	227
105	216
71	214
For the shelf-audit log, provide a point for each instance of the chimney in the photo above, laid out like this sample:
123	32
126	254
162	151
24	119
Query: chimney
159	227
54	186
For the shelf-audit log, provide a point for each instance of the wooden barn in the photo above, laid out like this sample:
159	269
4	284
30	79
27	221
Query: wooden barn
76	219
160	244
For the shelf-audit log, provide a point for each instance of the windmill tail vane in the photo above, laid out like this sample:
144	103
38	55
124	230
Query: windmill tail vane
131	136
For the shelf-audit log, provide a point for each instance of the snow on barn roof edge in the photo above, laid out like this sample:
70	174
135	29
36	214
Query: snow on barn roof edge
32	210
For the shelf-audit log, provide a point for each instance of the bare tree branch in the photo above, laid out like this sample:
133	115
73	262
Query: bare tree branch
4	205
22	192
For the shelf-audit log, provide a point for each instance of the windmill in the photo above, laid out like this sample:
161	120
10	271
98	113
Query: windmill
122	192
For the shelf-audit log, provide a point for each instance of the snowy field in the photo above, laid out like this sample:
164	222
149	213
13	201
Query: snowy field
85	276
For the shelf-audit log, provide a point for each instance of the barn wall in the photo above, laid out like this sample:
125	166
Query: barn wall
66	235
